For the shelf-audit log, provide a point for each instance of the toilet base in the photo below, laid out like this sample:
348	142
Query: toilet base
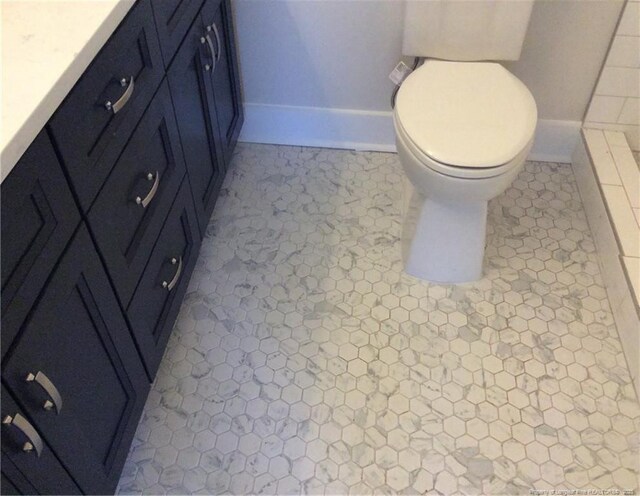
443	242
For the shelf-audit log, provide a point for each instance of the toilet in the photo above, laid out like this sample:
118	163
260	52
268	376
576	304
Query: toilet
464	126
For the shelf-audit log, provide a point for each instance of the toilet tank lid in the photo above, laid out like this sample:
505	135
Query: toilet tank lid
466	114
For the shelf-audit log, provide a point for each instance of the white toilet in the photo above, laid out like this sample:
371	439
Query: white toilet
464	127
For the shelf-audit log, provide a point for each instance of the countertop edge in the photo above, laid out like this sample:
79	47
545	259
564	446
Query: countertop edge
18	144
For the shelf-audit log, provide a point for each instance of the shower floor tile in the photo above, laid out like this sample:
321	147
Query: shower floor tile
305	361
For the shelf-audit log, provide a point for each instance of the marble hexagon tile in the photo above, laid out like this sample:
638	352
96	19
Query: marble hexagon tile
304	361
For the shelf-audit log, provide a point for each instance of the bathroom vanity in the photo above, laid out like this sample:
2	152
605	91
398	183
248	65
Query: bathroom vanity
102	218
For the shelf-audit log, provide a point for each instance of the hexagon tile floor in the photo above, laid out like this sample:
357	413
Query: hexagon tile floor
304	361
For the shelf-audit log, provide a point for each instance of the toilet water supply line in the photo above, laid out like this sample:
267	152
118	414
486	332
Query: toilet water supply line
416	61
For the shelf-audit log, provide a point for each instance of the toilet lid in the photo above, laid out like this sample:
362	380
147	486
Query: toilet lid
466	114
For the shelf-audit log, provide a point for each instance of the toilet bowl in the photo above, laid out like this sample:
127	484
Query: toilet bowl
463	132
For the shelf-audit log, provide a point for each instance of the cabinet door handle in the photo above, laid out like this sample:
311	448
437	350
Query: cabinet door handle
215	32
122	101
213	53
23	425
49	388
152	192
171	284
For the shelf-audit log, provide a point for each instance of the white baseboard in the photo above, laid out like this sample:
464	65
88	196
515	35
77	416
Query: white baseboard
372	130
322	127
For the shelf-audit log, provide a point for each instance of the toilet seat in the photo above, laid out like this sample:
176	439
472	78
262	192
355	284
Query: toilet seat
453	170
467	119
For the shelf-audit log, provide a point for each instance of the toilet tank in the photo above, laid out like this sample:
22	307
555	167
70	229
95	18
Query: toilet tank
465	30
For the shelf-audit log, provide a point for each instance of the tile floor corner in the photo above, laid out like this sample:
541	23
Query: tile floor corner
304	361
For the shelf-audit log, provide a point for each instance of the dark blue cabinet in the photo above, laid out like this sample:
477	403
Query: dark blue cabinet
46	475
103	108
102	220
155	304
129	212
203	79
216	17
38	219
173	18
78	338
192	92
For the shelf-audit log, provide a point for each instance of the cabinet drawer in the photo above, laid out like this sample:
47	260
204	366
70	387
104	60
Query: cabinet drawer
126	72
128	214
78	338
173	18
26	472
38	219
157	299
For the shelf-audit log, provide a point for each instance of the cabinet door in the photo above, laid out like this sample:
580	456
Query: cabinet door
78	338
216	16
150	169
157	299
6	484
26	472
102	110
173	18
38	219
192	93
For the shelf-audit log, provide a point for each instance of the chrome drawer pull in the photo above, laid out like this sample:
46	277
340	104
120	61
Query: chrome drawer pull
171	284
49	388
23	425
213	53
152	192
215	31
122	101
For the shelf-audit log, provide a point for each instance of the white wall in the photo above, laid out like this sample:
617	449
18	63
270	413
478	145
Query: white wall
332	57
327	53
563	52
616	101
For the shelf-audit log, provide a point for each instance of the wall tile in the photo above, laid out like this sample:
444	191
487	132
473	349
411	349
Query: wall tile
619	81
625	52
605	108
625	165
620	78
630	113
630	22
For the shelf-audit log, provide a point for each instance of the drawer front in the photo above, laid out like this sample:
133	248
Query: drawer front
155	304
38	219
216	16
126	72
173	18
26	472
78	338
129	212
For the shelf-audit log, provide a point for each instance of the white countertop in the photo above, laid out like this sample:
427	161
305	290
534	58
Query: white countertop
46	46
